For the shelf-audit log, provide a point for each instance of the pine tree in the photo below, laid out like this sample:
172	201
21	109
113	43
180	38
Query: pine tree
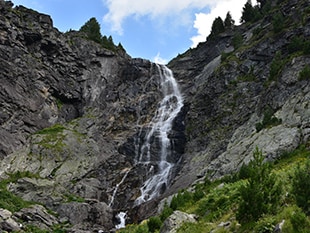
92	30
250	13
301	187
217	28
261	194
228	22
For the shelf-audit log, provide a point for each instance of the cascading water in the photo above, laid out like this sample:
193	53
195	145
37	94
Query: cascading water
158	132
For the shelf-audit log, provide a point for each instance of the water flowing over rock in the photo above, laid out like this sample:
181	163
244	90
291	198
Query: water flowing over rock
155	150
89	133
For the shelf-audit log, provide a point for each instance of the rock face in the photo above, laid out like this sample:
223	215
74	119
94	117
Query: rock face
231	91
72	112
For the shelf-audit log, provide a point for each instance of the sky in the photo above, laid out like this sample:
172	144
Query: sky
155	30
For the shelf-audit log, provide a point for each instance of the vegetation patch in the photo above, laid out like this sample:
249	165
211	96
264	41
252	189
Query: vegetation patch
269	120
256	199
305	73
10	201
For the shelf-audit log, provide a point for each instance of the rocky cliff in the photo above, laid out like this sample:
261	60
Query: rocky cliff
72	111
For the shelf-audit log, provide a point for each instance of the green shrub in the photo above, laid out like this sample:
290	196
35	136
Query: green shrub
306	47
276	66
296	44
167	211
300	222
301	187
305	73
268	120
180	200
278	22
265	225
261	194
154	223
237	40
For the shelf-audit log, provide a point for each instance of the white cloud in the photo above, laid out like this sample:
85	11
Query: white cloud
160	60
203	21
119	10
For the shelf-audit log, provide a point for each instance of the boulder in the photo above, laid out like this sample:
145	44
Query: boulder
175	220
7	223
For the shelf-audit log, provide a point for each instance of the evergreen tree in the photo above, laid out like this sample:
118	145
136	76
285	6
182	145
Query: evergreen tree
261	194
92	30
250	13
228	22
217	28
301	187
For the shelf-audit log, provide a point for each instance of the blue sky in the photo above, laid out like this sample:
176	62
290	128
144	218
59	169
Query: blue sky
155	30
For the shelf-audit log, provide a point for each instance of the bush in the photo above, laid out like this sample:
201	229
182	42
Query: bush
154	224
305	73
300	222
261	194
276	66
180	200
268	120
167	211
278	22
301	187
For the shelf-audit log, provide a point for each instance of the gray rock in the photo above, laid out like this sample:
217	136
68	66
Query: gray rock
38	216
175	220
7	223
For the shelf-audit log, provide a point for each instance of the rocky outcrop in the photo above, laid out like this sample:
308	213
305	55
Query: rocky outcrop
175	220
72	113
230	90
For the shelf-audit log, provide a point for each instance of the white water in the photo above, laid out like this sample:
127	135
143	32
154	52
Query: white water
122	218
159	127
117	186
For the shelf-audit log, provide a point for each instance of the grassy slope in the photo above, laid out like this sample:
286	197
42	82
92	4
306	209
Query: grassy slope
218	201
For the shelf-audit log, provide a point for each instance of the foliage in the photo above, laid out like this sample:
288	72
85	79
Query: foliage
269	120
261	194
92	30
300	222
217	28
154	223
142	228
305	73
228	22
296	44
237	40
180	200
10	201
265	225
217	201
250	13
55	129
301	187
276	66
167	211
278	22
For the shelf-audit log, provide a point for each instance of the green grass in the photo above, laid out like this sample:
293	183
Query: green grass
10	201
218	201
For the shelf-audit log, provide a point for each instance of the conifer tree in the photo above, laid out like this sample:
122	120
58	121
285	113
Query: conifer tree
261	194
228	22
92	30
217	28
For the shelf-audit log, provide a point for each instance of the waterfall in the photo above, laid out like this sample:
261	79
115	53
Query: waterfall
158	132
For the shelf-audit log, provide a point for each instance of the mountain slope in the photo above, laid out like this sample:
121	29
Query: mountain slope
246	94
72	113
